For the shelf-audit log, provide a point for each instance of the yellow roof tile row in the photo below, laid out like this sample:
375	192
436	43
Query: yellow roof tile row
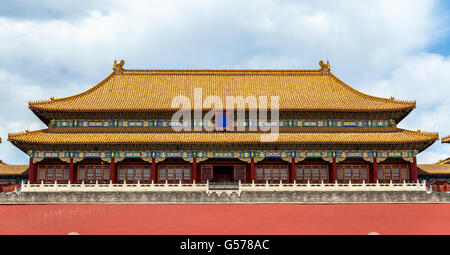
47	137
446	139
143	90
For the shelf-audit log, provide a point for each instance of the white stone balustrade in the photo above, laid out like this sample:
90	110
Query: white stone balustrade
251	187
110	187
419	186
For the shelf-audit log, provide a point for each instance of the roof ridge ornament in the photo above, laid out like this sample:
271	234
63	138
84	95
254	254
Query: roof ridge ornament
325	68
118	67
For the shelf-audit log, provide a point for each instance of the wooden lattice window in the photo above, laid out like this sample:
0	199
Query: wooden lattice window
239	173
396	173
52	173
354	173
272	173
134	173
93	173
312	173
174	173
207	173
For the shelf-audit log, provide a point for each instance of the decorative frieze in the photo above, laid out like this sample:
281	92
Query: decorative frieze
204	155
244	123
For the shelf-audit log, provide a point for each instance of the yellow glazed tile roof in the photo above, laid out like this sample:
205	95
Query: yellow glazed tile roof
144	90
435	168
47	136
446	139
444	161
6	169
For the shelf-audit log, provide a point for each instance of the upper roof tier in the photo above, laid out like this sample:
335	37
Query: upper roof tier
154	90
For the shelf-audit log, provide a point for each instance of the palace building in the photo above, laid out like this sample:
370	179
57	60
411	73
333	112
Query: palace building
437	175
121	130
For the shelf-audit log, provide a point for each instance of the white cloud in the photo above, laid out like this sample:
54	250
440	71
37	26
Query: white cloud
375	46
426	79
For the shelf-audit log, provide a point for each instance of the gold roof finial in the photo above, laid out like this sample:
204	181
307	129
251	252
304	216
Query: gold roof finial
325	68
118	67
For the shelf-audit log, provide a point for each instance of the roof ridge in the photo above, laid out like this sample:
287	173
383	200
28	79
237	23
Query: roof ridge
220	71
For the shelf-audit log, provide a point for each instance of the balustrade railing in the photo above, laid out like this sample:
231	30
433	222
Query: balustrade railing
206	187
417	186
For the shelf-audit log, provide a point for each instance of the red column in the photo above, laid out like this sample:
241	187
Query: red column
71	175
293	171
333	171
154	170
112	171
194	170
252	169
32	171
375	170
413	170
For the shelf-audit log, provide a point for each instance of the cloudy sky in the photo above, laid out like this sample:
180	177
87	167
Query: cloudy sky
384	48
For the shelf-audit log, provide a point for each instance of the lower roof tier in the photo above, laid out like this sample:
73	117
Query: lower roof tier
426	169
51	137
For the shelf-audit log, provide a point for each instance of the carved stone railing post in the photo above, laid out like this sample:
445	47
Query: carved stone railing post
240	188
